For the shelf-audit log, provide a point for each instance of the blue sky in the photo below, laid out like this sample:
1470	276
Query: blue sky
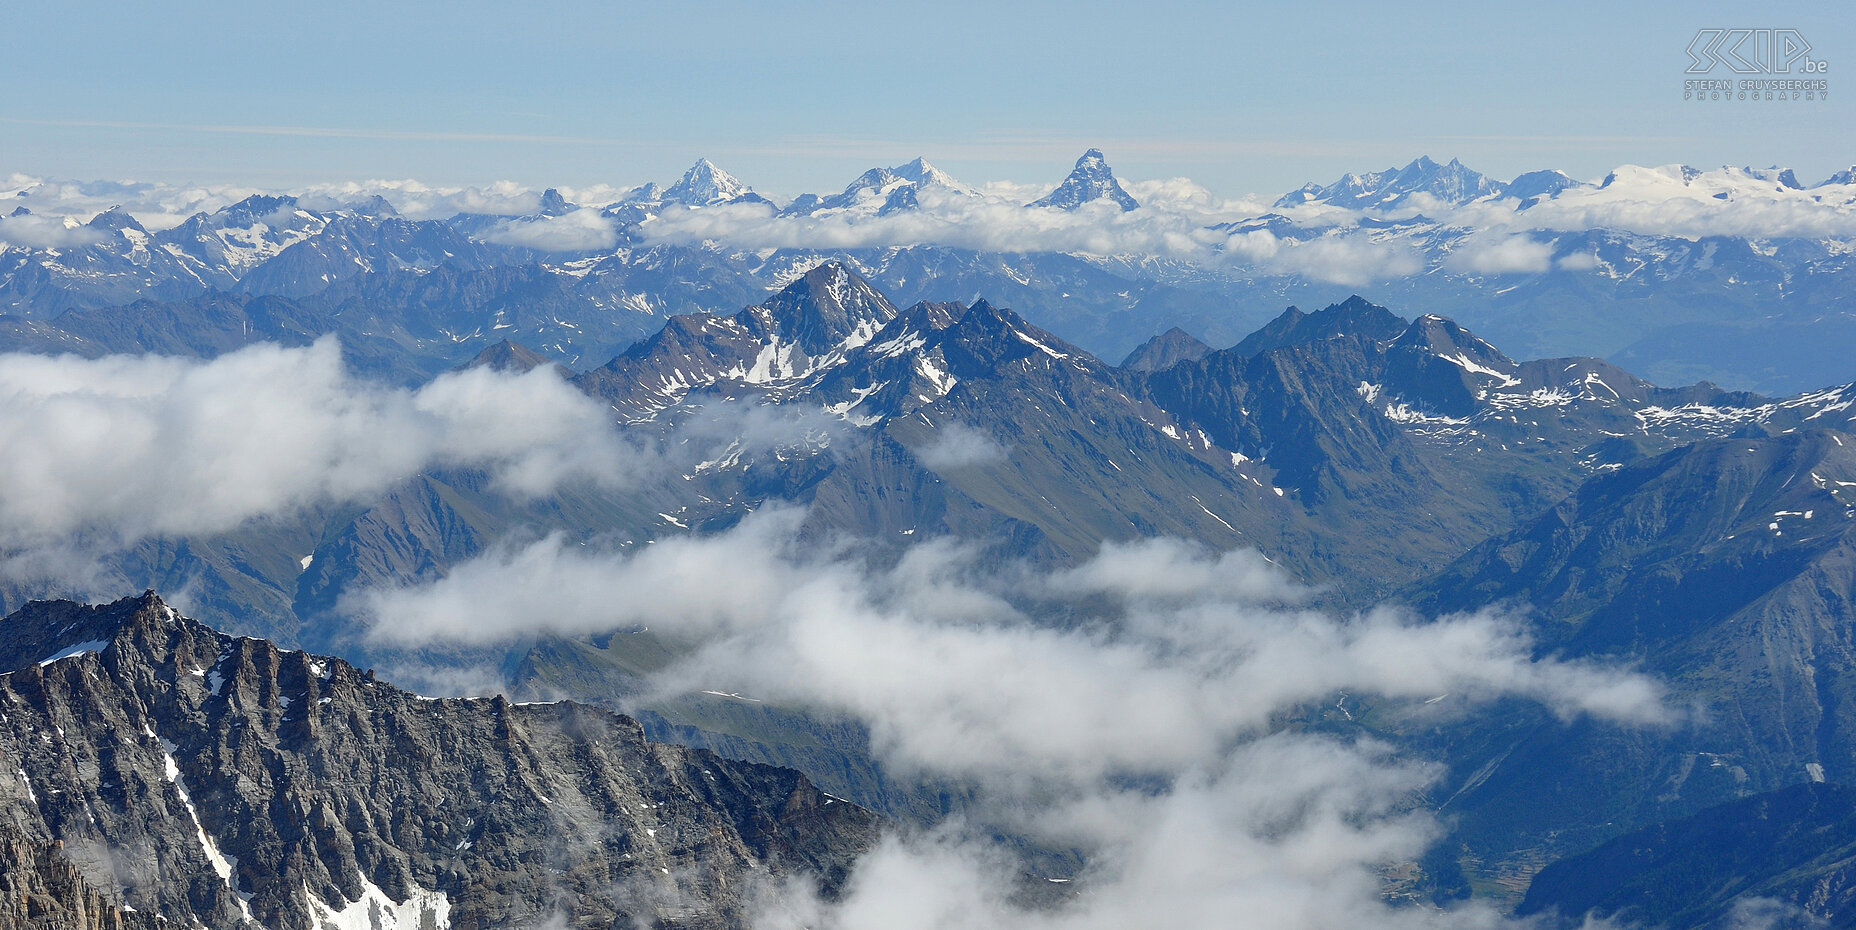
797	97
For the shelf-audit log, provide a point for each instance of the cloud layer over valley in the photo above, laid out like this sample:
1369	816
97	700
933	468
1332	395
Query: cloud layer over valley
1130	707
105	452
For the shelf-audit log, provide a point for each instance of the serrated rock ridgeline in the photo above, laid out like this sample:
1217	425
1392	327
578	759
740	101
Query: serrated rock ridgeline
223	781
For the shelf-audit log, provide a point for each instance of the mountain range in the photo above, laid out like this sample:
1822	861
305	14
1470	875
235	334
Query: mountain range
1735	275
1371	455
1660	477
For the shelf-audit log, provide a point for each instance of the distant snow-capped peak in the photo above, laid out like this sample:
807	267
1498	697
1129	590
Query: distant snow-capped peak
923	174
1452	183
705	185
1090	180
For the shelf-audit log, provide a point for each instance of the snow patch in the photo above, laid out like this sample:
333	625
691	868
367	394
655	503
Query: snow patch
95	645
1024	337
374	910
1462	361
943	381
225	866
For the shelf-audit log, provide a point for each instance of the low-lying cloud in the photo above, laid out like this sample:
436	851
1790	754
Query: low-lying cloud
1122	707
42	232
1336	256
946	219
147	445
575	231
956	445
1497	254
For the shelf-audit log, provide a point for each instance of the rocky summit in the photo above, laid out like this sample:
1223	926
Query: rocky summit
156	767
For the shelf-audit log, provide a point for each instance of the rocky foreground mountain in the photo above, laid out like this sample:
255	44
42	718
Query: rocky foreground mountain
218	781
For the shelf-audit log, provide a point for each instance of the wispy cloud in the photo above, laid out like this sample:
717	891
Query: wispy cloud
1498	254
575	231
145	445
956	668
44	232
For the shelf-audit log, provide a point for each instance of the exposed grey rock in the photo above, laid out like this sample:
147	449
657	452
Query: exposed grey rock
41	888
220	781
512	358
1165	350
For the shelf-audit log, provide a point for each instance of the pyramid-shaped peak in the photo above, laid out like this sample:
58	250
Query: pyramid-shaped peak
375	206
1445	337
1355	316
705	185
115	218
829	306
553	204
508	357
1166	350
840	285
924	175
42	632
1091	179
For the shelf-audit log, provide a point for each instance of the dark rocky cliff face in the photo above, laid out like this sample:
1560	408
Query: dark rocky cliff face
41	888
223	781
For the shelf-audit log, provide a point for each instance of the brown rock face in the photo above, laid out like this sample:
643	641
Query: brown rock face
224	781
42	889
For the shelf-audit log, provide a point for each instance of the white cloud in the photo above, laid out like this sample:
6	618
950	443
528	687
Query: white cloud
1495	254
950	663
576	231
137	446
155	206
1337	256
1173	569
419	201
956	445
668	584
1330	245
44	232
1667	202
986	223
